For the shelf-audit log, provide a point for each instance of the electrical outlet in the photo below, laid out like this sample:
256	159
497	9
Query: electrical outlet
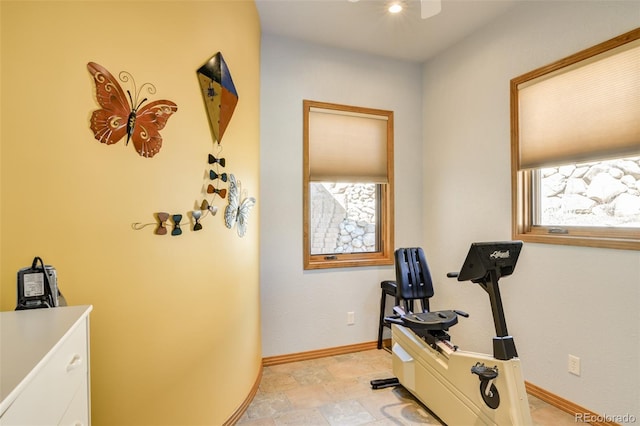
351	318
574	365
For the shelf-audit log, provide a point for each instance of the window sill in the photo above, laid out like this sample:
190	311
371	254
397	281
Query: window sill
579	238
346	261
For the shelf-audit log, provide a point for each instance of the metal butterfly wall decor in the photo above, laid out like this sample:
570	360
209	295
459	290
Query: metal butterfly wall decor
122	115
237	211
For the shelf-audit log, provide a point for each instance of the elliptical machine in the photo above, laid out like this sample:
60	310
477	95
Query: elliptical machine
463	388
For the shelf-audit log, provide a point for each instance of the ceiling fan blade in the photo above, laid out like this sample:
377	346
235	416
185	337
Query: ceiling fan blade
429	8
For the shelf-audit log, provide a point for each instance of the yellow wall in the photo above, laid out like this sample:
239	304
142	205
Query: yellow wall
175	334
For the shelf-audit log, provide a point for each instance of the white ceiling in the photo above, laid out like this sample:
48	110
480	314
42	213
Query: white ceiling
366	26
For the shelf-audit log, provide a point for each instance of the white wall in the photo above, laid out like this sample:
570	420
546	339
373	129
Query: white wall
307	310
451	190
561	300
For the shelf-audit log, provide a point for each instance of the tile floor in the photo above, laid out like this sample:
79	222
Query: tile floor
336	391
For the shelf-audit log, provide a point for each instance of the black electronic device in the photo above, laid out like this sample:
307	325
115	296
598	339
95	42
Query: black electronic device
38	287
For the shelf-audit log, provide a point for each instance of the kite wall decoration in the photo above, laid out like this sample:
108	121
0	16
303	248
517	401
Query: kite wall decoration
219	93
220	98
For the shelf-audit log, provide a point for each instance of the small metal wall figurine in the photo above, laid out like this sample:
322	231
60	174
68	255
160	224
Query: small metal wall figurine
122	115
237	211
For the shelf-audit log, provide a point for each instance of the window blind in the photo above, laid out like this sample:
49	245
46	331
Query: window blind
347	146
589	110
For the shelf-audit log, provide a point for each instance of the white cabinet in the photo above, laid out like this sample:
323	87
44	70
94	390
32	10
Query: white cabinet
44	367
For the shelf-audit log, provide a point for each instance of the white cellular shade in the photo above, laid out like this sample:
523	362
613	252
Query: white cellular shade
588	110
347	147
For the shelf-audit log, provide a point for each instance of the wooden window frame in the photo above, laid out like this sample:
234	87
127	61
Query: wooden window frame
523	194
384	256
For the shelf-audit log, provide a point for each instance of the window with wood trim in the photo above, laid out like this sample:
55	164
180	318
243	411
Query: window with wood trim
347	186
575	148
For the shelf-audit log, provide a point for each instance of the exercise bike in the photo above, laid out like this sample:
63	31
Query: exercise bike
459	387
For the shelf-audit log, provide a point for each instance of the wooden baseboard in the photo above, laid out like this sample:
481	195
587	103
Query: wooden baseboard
235	417
582	415
321	353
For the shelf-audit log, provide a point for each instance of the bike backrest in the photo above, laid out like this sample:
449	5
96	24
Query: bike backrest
412	274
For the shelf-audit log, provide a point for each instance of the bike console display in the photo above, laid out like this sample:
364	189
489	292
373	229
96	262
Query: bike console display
486	257
484	265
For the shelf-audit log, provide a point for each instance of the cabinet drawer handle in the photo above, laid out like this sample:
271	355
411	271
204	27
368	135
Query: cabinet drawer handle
75	362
